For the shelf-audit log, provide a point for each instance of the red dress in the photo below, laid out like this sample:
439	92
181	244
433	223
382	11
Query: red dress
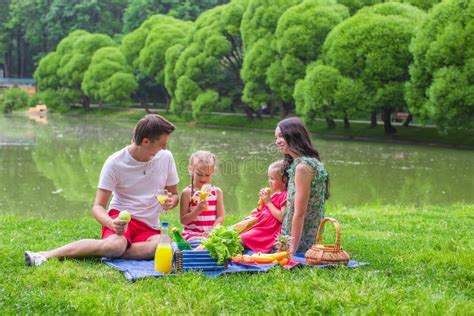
261	237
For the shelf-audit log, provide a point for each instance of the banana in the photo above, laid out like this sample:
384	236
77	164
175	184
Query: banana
275	256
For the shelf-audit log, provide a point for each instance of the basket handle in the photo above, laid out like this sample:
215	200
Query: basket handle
319	238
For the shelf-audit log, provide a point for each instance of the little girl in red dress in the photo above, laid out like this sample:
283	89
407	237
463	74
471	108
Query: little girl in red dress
261	236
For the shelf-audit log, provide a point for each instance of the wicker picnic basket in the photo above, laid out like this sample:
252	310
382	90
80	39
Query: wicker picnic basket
320	254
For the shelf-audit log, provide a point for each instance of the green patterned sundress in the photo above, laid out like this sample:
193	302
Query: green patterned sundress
315	211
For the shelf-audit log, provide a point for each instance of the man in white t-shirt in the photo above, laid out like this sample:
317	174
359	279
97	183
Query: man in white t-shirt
132	177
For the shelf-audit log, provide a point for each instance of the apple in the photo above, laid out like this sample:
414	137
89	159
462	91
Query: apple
125	216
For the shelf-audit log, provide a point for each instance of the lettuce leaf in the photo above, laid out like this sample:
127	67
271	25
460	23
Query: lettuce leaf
223	243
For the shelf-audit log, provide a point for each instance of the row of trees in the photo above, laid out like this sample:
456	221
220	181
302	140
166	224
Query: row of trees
318	58
29	29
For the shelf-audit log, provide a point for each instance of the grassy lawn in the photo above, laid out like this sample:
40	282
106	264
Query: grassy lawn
361	131
421	262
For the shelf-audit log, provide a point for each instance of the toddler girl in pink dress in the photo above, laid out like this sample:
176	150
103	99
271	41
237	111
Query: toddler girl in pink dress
261	236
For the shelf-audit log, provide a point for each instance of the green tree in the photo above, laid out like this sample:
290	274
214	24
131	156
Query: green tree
32	28
46	74
422	4
118	88
103	16
441	87
139	10
108	78
63	71
324	91
4	39
299	38
131	46
372	47
258	27
164	34
207	70
77	51
16	57
171	58
355	5
316	93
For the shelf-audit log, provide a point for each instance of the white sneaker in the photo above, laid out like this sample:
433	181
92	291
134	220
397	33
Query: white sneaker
34	259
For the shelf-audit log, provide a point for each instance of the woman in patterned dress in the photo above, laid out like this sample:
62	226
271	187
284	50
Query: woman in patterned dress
308	184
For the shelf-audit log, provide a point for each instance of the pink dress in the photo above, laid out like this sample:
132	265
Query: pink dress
261	237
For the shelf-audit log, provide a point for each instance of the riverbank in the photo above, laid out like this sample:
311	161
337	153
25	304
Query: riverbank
420	263
358	131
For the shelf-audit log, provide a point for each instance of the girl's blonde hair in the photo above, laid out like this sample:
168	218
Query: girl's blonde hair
202	158
280	167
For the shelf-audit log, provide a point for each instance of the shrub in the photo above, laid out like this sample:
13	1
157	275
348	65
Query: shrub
14	99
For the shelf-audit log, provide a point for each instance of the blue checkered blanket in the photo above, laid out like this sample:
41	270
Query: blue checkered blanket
138	269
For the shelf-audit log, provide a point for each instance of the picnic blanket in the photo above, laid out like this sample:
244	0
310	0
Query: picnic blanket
138	269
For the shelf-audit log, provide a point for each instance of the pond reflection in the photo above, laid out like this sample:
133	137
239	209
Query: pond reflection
53	169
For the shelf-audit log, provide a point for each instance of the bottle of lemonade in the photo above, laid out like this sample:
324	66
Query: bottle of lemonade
163	253
180	241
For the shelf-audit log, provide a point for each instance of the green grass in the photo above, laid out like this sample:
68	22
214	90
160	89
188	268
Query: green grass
421	262
361	131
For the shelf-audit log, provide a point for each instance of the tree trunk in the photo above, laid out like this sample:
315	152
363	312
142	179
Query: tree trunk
285	109
373	119
248	110
147	110
330	123
86	102
408	120
19	56
167	98
7	59
346	121
388	127
24	59
271	109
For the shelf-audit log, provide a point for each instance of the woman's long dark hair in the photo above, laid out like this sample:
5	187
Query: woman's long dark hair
299	142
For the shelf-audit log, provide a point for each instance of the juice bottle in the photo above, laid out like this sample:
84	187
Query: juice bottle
163	253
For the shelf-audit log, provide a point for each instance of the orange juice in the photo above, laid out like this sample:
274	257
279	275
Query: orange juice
163	256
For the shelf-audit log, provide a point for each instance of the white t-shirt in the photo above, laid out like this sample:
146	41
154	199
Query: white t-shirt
134	184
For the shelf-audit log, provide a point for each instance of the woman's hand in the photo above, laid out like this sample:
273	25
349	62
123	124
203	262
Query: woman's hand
265	196
119	226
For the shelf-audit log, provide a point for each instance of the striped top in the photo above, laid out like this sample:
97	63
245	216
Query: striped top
205	220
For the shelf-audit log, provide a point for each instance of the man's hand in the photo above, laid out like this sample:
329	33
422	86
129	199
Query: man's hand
169	203
119	226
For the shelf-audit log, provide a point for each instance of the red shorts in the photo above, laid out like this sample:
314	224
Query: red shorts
137	231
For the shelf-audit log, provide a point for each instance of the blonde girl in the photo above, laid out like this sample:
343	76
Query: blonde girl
199	212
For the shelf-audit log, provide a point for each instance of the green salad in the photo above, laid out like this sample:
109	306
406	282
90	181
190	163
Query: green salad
223	243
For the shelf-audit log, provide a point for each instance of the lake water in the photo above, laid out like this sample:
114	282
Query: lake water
50	168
